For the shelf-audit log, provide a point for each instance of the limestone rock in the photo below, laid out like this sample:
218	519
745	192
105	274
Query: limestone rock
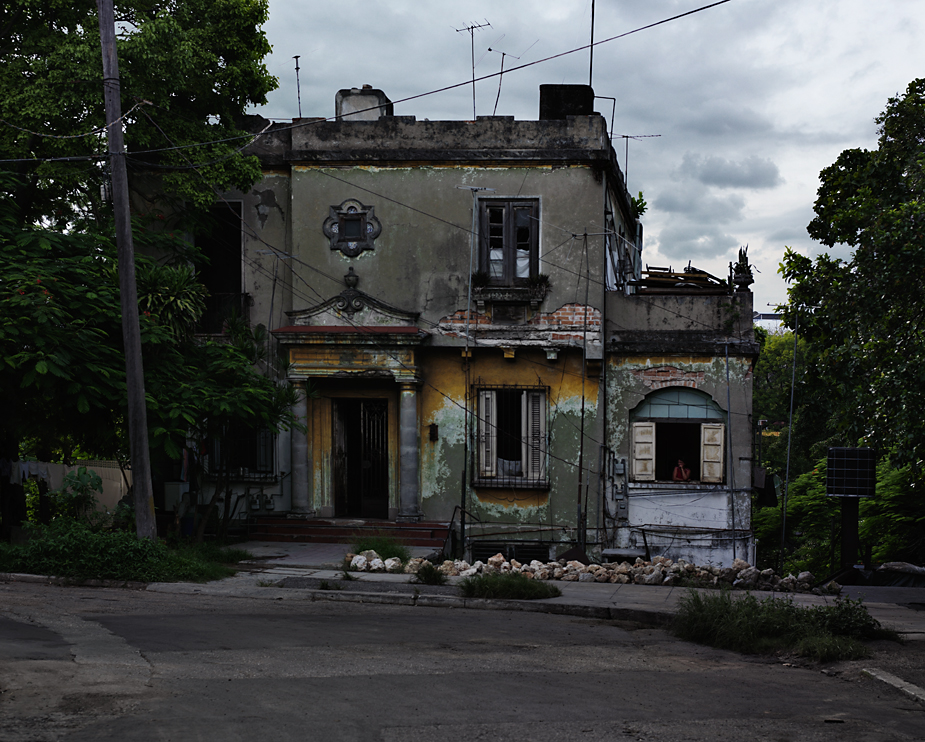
471	572
572	577
806	577
739	564
586	577
377	565
369	554
619	578
393	564
515	564
448	568
358	563
496	561
558	573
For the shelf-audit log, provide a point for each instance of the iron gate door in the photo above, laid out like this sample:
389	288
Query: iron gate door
361	458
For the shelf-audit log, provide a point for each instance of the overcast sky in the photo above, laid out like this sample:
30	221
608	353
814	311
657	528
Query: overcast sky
751	98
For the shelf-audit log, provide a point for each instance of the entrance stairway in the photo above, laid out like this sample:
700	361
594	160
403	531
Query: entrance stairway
345	530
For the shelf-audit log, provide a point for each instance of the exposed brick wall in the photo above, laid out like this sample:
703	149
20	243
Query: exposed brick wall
569	315
660	377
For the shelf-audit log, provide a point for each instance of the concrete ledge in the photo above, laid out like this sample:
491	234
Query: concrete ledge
353	597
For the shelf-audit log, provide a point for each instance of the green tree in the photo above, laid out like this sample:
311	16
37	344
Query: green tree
865	314
62	373
189	69
773	378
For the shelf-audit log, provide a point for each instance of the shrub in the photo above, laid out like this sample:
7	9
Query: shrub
512	586
428	574
747	625
385	546
72	549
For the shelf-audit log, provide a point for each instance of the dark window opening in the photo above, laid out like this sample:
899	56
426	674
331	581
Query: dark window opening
219	241
353	227
249	453
674	441
511	450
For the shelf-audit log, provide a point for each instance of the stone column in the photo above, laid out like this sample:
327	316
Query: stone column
409	454
301	503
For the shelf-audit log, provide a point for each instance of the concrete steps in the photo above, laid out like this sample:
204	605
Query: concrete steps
345	530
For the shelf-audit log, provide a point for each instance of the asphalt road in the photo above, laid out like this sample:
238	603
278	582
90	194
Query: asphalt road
100	664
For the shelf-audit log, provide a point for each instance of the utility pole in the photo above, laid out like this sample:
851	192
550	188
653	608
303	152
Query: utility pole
145	525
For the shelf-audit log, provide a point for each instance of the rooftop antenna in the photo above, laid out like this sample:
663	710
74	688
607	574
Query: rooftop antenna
501	74
626	156
298	90
472	28
591	50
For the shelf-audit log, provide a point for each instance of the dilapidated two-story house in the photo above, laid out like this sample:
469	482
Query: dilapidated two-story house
465	309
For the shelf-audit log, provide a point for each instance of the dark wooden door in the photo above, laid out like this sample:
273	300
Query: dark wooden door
361	458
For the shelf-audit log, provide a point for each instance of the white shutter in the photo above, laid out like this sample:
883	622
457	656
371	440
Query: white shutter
488	434
712	444
533	428
644	452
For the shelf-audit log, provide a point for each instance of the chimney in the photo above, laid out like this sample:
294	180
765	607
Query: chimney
362	104
559	101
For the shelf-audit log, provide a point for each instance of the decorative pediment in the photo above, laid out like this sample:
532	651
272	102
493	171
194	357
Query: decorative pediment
353	307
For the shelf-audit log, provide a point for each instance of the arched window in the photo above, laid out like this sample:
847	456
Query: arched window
677	425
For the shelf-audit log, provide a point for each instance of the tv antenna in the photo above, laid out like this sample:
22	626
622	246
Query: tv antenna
626	157
472	28
298	90
501	74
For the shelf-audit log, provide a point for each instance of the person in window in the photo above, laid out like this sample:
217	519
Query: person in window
682	473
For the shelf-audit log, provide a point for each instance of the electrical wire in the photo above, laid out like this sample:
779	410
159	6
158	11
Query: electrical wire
418	95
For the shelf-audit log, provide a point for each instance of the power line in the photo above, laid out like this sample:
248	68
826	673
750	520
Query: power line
416	96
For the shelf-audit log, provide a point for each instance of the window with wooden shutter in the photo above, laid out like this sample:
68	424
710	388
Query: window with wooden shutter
487	434
534	441
511	446
644	452
712	445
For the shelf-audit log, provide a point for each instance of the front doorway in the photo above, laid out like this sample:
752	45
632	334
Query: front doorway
361	458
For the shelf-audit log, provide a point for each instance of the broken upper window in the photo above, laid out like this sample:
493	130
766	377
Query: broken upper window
509	240
511	435
678	435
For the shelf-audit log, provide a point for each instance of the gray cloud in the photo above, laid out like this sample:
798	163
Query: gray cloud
699	205
688	243
752	172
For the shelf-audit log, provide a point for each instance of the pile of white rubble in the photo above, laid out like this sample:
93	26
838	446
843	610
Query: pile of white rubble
659	571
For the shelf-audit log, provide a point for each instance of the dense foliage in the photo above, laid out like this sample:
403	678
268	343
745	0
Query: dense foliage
74	550
189	69
865	314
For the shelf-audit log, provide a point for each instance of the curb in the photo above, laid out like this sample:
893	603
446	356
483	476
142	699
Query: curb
600	612
658	618
70	582
901	685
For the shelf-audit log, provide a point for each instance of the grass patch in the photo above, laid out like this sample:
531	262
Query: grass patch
325	585
385	546
428	574
744	624
70	549
512	586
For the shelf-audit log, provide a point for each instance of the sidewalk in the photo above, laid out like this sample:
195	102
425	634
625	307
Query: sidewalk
902	609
